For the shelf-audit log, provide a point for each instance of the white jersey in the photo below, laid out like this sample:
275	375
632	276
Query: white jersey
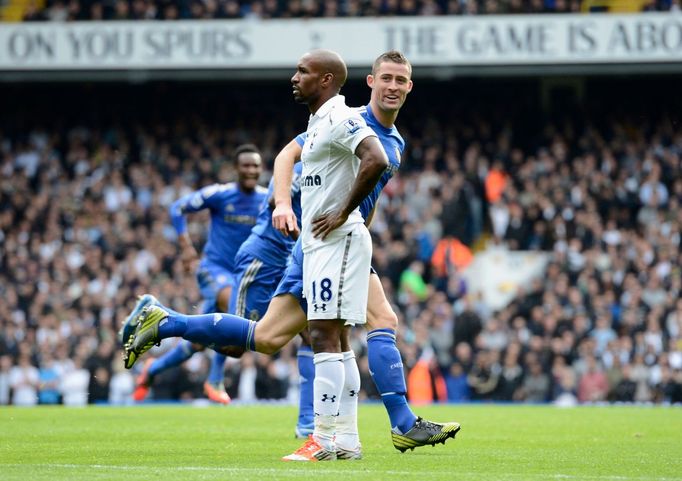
330	166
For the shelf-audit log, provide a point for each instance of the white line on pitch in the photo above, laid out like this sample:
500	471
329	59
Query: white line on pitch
297	472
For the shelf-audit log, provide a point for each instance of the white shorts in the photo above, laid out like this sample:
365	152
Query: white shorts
336	280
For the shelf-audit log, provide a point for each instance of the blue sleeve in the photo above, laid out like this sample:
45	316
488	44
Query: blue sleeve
300	138
176	215
194	202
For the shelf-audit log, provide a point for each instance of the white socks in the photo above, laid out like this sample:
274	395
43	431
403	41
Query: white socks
335	390
327	389
347	423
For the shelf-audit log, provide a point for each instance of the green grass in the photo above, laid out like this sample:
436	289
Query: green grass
245	443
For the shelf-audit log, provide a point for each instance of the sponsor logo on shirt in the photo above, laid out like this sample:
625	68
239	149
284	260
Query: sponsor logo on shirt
240	219
311	180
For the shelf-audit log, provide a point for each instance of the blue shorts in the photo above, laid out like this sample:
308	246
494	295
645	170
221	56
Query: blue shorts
212	279
292	280
256	282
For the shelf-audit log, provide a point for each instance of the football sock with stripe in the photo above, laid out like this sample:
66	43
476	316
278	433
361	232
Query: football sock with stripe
210	329
386	368
306	370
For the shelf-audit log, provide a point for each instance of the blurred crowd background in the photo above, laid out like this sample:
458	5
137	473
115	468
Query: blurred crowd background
87	174
70	10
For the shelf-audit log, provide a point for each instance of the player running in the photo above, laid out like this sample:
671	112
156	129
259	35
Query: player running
234	208
260	264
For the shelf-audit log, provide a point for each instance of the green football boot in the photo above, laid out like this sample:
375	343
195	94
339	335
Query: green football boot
422	433
129	325
145	336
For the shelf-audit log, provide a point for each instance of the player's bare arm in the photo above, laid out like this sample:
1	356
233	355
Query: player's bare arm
283	217
188	254
373	162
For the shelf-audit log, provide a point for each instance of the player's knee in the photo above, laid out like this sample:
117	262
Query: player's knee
266	343
387	319
268	346
231	351
223	299
324	340
223	303
305	338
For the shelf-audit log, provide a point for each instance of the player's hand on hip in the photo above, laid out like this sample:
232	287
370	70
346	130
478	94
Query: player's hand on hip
284	220
326	223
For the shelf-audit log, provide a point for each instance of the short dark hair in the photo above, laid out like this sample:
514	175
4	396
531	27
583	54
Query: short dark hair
391	56
244	149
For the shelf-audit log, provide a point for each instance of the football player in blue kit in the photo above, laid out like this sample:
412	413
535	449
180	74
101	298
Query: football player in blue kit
234	208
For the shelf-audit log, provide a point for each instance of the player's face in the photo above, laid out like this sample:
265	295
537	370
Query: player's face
249	168
390	85
306	81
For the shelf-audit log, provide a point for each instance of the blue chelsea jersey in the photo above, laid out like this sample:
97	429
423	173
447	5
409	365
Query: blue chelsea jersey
393	144
233	215
266	242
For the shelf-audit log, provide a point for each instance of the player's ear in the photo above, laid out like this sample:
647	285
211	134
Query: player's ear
370	80
328	79
409	86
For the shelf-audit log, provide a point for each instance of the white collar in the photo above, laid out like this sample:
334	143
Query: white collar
326	107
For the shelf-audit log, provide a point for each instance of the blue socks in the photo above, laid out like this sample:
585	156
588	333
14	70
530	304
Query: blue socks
176	356
306	370
216	374
210	330
386	368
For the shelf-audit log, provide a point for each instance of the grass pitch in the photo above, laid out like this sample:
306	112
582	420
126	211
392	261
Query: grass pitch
246	442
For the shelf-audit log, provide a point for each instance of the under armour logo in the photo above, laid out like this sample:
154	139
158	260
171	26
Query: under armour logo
322	307
326	397
217	318
352	393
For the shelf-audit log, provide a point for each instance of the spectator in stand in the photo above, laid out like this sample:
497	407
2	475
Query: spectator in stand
593	386
535	387
74	386
456	384
49	380
484	376
24	381
5	382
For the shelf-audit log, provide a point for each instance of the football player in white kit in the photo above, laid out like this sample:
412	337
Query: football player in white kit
342	162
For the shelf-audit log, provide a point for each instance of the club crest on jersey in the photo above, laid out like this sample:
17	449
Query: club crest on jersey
352	126
311	140
229	208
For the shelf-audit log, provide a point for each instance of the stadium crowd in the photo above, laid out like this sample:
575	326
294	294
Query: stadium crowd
84	228
64	10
